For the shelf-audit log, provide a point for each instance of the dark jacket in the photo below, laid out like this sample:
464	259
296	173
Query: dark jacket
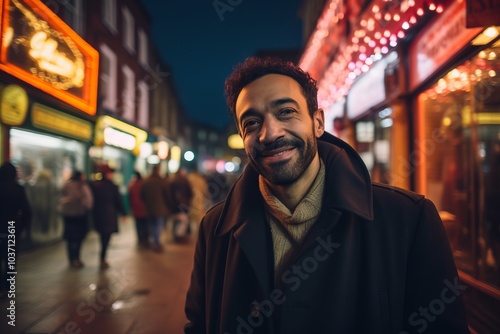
154	193
376	261
14	205
108	205
180	194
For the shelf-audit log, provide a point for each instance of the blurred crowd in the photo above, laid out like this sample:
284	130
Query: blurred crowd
163	207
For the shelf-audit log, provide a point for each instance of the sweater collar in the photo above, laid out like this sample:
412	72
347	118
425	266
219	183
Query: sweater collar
347	186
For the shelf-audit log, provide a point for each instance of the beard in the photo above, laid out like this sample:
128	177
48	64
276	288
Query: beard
287	171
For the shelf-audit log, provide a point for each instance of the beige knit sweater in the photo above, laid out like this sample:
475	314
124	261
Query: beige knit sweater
288	229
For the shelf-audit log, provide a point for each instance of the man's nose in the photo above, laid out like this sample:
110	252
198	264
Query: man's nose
271	130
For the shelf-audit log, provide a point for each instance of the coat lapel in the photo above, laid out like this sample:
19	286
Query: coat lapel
253	240
243	215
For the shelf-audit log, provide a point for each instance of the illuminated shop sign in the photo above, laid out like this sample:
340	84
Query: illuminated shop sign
56	121
40	49
119	139
438	42
13	105
113	132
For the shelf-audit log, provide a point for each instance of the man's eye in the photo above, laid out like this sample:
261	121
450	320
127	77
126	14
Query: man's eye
250	124
286	111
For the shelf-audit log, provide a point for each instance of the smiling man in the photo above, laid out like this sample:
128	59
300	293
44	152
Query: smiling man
304	242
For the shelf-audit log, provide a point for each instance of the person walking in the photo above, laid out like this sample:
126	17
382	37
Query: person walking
139	209
75	203
108	206
304	242
154	193
179	203
15	214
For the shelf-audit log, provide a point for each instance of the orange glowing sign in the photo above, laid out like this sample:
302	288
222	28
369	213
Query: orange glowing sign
40	49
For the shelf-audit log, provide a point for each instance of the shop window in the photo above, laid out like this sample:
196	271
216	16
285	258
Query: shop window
373	144
109	14
460	161
128	30
128	94
107	78
44	163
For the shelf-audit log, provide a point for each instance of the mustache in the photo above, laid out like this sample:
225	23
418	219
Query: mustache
277	144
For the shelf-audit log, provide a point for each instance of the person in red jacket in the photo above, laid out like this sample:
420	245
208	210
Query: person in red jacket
139	209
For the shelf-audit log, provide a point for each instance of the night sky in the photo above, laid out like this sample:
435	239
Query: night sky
202	46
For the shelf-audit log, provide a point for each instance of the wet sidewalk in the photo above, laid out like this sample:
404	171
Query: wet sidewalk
141	292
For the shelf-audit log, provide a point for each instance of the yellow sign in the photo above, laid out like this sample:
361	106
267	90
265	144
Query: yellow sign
50	119
105	134
14	105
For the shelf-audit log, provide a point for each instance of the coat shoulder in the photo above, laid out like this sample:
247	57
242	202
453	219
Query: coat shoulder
395	192
212	217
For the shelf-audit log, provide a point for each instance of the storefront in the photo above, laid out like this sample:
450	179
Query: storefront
48	81
454	79
117	144
45	145
377	115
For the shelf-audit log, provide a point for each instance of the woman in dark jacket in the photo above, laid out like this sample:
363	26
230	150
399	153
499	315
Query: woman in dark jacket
107	206
75	203
15	213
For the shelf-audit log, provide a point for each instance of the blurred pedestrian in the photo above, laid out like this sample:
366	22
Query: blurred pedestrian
108	206
180	196
201	197
75	203
139	209
154	193
15	214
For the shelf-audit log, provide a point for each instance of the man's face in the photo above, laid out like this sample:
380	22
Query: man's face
278	133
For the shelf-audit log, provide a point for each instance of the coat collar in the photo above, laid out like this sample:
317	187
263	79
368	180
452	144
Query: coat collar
347	186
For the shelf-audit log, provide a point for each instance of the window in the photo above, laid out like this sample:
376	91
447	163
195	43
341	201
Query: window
72	14
107	78
143	48
128	94
109	14
460	153
44	163
143	117
128	30
213	137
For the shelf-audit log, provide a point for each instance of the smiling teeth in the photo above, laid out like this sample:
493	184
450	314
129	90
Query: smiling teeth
278	154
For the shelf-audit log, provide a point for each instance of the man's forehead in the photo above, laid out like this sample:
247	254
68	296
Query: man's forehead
266	89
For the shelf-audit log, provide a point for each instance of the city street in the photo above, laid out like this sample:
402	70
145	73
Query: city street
141	292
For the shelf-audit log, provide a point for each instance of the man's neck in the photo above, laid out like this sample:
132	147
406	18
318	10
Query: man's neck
291	195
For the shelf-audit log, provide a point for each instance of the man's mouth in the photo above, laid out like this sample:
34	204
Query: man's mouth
283	152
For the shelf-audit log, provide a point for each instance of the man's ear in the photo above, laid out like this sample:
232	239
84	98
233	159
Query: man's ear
319	122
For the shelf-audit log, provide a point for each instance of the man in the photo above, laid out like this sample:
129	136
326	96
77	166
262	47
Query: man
304	243
154	193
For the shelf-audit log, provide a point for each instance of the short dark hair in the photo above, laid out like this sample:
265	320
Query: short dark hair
254	67
76	175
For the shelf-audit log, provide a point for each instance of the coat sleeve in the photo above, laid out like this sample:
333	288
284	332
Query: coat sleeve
195	299
434	293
